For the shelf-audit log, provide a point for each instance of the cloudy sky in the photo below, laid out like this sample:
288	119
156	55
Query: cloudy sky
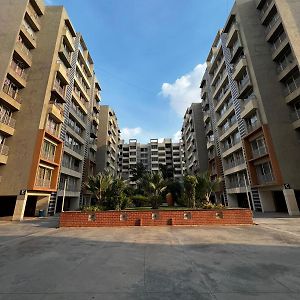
149	56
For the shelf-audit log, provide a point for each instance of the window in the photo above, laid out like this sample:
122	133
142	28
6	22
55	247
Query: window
44	176
264	173
258	147
48	150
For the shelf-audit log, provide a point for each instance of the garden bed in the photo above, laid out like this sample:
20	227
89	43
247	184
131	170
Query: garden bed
159	217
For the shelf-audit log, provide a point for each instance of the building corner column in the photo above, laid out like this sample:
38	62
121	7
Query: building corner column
20	208
291	202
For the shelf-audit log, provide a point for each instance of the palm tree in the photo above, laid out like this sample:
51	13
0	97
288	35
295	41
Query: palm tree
154	185
190	182
98	185
209	186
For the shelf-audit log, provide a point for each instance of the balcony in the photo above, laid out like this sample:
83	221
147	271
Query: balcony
93	133
19	74
234	167
206	116
82	87
259	152
248	106
77	115
3	154
233	33
49	156
28	34
253	127
59	91
95	119
68	38
53	131
239	68
7	125
97	95
74	150
236	49
220	84
204	91
79	101
210	143
284	68
93	146
292	91
226	114
208	128
279	45
86	65
224	133
265	11
265	179
23	52
226	93
42	183
229	149
244	86
62	73
295	117
11	97
83	75
65	55
56	111
220	67
272	27
33	18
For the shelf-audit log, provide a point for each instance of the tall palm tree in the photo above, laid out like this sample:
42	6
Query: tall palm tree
98	185
209	186
154	185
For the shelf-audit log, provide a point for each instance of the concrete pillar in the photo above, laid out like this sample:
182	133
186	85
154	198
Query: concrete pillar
267	201
42	204
232	200
291	202
20	208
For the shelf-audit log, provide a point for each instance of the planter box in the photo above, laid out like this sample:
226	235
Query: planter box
156	218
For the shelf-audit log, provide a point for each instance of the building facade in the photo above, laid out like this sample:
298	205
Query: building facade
41	117
108	141
251	94
193	136
151	155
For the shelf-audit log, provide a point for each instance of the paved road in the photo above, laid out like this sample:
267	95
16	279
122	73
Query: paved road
38	261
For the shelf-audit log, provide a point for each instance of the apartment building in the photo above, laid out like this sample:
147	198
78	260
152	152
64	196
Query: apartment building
36	43
251	96
193	136
151	155
80	127
50	89
108	141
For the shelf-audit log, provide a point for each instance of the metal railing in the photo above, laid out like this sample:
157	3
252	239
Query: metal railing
234	163
33	14
41	182
276	44
228	146
59	107
259	152
4	149
52	130
24	49
244	82
253	126
290	88
295	115
271	24
18	70
282	65
265	7
75	148
47	155
12	92
58	88
8	120
29	30
265	178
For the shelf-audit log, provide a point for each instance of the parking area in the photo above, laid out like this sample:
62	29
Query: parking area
39	261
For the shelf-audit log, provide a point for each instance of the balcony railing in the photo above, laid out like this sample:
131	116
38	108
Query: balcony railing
288	61
295	115
259	151
228	146
33	14
75	148
71	167
265	178
278	41
52	130
235	184
24	49
265	7
294	85
78	111
234	163
271	24
58	88
18	70
8	120
59	107
244	82
29	31
47	155
41	182
4	150
12	92
230	124
251	127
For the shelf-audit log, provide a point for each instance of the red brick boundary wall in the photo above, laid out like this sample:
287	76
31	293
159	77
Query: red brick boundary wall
156	218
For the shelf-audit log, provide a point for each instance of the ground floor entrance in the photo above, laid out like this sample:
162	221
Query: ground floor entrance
7	206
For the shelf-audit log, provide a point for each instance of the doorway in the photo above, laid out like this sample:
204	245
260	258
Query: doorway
279	202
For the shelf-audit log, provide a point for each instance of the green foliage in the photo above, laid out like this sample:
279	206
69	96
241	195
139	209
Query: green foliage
167	172
92	208
154	185
109	191
175	187
207	186
138	172
190	182
212	206
140	200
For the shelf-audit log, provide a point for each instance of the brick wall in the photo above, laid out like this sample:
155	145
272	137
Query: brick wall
156	218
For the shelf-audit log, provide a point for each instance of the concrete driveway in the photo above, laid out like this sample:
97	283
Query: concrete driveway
38	261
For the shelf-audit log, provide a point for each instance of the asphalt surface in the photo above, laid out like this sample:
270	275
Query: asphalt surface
39	261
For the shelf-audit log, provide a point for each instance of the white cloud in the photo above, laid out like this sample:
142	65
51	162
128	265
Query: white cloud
177	137
185	90
130	133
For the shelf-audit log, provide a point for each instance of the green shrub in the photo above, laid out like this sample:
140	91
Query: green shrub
139	201
212	206
92	208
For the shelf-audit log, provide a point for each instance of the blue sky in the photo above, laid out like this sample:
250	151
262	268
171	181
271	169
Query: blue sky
149	56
